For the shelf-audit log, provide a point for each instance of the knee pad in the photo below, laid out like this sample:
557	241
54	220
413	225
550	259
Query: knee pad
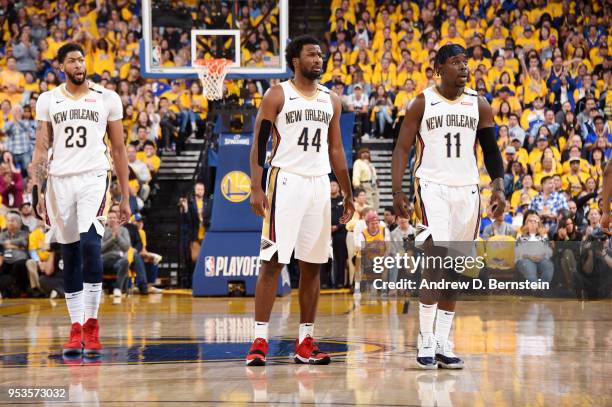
73	273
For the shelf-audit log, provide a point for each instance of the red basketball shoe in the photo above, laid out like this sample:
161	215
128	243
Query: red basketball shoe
91	338
74	346
258	352
308	352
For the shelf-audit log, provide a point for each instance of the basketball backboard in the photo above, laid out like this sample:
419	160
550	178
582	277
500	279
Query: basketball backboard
252	33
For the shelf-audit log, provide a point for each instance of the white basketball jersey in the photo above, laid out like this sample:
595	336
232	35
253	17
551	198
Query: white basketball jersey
446	142
79	126
300	143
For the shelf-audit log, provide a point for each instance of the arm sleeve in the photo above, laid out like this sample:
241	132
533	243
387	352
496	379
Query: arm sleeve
42	107
492	157
115	107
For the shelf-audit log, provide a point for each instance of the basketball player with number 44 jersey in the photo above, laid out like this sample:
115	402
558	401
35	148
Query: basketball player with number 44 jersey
445	121
71	188
304	120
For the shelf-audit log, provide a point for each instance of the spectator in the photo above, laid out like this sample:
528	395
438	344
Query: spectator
382	107
358	102
115	244
195	219
137	263
364	177
11	185
574	181
515	130
594	277
52	273
371	241
526	188
149	157
27	217
498	227
567	251
390	218
533	251
141	170
151	260
547	203
14	276
26	53
12	81
351	228
46	260
18	134
336	269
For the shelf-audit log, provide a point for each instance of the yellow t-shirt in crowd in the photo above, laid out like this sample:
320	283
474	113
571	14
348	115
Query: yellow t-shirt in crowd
573	183
154	159
36	241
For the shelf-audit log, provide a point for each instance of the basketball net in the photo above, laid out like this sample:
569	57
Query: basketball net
212	73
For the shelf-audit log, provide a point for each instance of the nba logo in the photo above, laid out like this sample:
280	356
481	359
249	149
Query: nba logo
209	266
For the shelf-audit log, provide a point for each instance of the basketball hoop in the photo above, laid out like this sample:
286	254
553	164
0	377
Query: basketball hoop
212	73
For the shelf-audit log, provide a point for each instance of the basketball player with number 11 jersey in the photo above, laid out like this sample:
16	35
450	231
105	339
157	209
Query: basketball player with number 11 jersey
445	121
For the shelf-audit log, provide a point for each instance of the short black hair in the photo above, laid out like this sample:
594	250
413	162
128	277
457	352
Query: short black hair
295	47
447	51
66	48
390	210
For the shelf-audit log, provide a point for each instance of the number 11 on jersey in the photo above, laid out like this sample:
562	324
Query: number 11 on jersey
449	144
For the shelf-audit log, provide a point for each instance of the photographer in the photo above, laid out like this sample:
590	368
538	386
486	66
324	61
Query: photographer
594	280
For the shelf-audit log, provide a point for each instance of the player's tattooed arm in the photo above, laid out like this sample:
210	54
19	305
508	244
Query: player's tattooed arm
271	104
337	159
406	139
492	156
44	140
40	164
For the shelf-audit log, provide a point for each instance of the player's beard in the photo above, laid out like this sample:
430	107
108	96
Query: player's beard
76	81
312	75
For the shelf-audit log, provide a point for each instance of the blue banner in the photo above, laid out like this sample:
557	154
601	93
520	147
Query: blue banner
229	257
232	211
347	122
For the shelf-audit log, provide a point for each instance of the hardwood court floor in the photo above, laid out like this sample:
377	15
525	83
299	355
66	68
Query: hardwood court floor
177	350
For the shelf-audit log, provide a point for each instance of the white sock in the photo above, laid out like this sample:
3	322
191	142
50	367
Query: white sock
427	314
91	299
306	329
444	321
74	301
261	330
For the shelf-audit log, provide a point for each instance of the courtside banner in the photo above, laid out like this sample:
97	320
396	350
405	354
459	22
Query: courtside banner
231	211
228	257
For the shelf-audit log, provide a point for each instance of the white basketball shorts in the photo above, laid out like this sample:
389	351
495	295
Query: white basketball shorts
299	218
74	203
446	213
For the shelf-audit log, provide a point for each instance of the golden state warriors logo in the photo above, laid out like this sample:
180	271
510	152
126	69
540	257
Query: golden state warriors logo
236	186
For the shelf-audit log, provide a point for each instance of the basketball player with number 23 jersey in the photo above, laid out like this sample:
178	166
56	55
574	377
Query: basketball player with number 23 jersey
303	118
445	121
71	188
